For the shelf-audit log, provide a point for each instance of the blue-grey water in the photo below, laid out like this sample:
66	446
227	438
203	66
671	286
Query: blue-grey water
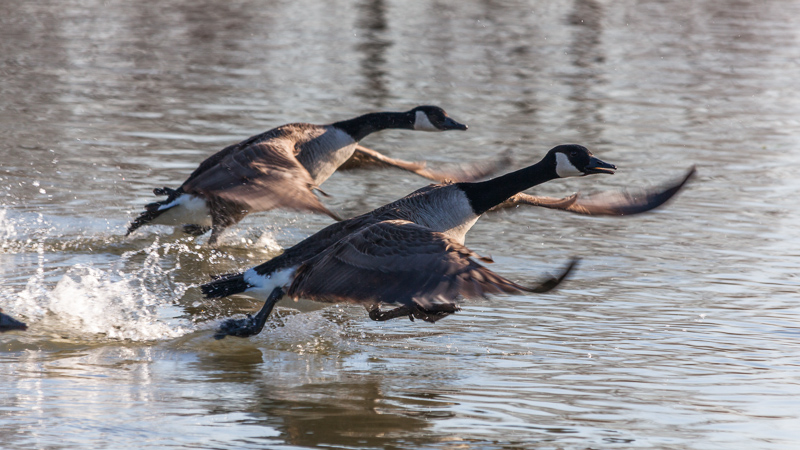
680	329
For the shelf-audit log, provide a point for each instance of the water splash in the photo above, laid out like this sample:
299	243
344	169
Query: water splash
85	280
7	230
133	298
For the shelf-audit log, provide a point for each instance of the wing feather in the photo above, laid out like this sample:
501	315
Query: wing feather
620	203
259	177
400	262
364	157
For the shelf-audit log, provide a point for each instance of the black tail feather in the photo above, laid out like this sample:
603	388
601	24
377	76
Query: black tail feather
225	285
165	191
150	213
151	210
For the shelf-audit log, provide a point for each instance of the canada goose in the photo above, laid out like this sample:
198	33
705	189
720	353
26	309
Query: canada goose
8	323
280	168
409	252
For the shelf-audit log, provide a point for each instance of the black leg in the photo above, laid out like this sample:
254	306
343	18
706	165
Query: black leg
215	234
251	325
223	215
436	312
376	314
431	315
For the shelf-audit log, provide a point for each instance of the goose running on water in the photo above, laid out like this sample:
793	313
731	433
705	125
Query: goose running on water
281	167
409	253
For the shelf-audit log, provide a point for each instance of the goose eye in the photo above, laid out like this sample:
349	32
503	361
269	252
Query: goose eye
573	154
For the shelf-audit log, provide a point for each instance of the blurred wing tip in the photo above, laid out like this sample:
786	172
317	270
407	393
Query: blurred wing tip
552	282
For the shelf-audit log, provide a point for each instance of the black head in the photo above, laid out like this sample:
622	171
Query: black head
572	160
433	118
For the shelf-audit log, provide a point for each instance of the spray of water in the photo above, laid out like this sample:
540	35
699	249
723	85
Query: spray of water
128	297
88	283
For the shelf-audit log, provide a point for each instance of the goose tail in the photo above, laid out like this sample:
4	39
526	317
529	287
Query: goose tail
225	285
155	209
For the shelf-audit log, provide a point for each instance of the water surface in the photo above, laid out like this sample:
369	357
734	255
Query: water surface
679	330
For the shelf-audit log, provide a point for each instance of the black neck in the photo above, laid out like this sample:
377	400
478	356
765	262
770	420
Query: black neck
364	125
485	195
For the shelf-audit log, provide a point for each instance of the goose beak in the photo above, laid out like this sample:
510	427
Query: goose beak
597	166
450	124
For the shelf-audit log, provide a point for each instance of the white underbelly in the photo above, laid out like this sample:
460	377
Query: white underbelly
186	209
263	285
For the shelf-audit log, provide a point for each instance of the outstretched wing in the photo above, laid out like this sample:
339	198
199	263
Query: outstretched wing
259	177
364	158
620	203
397	261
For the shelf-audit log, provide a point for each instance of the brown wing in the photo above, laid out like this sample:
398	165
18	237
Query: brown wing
537	200
364	158
397	261
297	132
260	177
621	203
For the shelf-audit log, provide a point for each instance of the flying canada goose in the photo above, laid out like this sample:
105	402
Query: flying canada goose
8	323
409	252
281	167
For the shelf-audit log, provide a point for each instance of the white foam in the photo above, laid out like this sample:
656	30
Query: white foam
265	242
111	303
7	229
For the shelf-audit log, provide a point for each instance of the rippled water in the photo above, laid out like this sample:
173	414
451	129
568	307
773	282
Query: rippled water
679	330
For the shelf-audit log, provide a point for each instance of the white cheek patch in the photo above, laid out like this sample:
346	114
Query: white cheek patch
422	123
565	168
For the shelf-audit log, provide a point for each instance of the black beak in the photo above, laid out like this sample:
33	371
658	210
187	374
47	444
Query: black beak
597	166
450	124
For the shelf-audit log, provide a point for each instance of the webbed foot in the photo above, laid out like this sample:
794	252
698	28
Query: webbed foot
436	312
250	325
432	315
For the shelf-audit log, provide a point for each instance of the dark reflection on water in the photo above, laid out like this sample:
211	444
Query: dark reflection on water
679	330
374	47
586	54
